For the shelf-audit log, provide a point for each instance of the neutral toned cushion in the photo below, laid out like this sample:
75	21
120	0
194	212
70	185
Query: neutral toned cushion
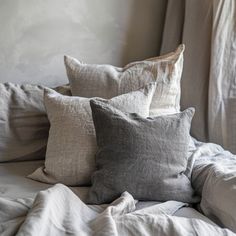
24	125
145	156
70	157
107	81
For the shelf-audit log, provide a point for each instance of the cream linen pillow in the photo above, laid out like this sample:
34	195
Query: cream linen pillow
71	148
107	81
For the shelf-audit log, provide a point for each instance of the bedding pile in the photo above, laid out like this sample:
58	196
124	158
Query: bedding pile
58	211
118	134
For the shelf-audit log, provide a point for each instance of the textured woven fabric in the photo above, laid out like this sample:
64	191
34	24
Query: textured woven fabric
70	157
24	125
145	156
107	81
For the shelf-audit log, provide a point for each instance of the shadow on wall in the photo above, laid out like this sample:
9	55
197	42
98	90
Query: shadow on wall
36	34
149	20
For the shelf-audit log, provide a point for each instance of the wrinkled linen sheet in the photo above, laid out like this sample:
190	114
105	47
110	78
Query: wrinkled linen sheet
58	211
214	178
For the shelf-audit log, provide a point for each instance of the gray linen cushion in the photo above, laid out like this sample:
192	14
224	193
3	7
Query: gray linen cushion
70	157
107	81
24	125
145	156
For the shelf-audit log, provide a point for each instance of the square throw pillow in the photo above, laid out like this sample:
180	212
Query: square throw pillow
107	81
145	156
70	156
24	125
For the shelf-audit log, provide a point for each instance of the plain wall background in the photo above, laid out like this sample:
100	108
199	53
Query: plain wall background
35	35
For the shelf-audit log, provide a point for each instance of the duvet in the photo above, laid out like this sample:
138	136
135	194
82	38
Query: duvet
214	179
58	211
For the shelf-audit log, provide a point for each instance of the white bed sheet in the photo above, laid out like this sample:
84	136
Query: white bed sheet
14	184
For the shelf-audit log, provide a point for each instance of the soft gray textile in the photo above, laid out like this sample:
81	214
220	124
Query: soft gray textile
57	211
214	162
15	185
107	81
144	156
71	148
214	178
207	28
24	125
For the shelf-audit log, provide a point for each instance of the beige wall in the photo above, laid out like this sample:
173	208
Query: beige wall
35	35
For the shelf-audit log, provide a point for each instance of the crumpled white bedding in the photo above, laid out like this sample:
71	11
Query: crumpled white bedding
14	184
58	211
214	178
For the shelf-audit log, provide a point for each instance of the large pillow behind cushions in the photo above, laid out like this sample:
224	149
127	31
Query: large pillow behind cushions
145	156
107	81
24	125
70	157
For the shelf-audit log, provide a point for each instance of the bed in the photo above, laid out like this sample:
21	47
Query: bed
154	179
15	184
16	187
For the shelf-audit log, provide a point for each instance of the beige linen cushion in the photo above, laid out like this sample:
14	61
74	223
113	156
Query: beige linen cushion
107	81
70	156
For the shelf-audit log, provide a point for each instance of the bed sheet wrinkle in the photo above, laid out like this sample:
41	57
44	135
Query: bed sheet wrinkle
214	178
20	191
58	211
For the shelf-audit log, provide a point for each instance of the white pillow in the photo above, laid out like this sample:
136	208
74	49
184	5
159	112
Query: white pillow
107	81
71	148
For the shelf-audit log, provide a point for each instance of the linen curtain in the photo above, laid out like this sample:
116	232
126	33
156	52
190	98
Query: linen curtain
208	29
